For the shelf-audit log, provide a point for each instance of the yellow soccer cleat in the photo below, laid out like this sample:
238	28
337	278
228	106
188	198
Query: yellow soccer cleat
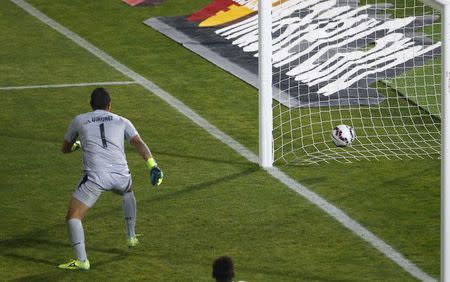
76	265
132	242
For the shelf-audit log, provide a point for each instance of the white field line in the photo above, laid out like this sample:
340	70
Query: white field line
66	85
323	204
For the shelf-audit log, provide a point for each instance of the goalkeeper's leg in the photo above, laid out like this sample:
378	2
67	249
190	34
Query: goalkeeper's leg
129	211
75	214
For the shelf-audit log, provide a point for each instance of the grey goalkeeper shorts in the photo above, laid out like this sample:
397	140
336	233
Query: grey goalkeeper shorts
93	184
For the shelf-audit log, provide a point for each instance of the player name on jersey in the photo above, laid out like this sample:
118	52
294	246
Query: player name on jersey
101	119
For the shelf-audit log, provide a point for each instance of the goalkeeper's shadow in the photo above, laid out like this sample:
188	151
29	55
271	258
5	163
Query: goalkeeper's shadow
13	248
204	185
201	158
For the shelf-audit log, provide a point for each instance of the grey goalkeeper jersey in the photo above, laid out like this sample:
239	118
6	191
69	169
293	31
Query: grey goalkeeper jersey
102	136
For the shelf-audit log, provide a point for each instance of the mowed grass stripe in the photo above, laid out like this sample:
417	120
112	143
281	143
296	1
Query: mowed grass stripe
357	229
41	62
66	85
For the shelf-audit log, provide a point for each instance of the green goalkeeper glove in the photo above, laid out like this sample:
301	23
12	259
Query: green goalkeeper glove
156	175
76	146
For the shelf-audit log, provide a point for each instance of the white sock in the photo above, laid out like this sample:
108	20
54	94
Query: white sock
77	238
129	212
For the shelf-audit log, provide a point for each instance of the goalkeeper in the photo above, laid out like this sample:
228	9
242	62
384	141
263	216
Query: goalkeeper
101	137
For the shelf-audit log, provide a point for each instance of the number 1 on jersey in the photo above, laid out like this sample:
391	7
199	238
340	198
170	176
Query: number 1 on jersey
102	135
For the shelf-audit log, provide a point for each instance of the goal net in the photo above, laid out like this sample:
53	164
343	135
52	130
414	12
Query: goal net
373	65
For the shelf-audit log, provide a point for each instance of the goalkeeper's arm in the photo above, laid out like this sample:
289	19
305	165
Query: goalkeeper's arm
156	175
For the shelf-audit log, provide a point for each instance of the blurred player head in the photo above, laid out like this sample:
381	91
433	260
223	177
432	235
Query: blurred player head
223	269
100	99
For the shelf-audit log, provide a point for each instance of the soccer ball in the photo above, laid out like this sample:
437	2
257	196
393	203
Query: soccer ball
343	135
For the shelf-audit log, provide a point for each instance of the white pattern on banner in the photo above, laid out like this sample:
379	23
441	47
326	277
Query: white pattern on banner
314	47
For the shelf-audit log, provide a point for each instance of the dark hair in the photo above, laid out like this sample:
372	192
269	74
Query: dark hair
100	99
223	269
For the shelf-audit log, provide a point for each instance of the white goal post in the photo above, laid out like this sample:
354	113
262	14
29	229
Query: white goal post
265	84
444	8
375	99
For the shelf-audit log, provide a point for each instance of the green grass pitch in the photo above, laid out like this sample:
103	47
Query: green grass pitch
213	202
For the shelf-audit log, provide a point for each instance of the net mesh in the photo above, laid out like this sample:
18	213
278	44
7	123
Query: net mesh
373	65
